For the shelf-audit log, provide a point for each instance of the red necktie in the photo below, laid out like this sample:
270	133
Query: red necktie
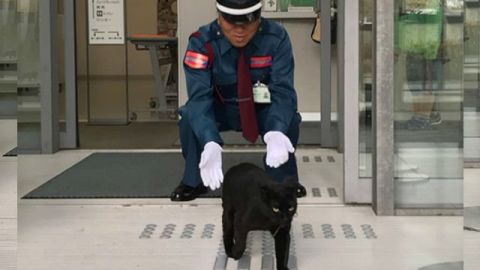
248	118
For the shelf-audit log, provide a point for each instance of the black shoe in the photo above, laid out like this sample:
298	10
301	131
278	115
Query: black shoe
187	193
301	191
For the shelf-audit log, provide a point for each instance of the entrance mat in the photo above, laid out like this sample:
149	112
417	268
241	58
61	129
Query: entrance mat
444	266
309	135
12	153
472	218
127	175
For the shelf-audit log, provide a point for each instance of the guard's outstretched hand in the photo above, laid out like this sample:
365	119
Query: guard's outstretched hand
278	148
211	165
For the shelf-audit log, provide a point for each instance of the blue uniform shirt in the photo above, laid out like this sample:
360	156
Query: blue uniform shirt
271	62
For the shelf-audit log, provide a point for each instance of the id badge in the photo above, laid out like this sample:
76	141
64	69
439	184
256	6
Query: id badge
261	94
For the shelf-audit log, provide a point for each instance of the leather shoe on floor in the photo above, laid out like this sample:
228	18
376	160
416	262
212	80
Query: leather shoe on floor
301	191
187	193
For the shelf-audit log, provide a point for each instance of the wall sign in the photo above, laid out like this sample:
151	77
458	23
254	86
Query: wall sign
106	22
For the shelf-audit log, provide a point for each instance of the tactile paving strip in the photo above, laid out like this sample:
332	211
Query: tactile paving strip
292	259
332	192
268	243
316	192
221	248
244	261
368	231
267	240
317	159
268	252
168	231
148	231
221	260
328	232
348	231
208	230
307	230
188	231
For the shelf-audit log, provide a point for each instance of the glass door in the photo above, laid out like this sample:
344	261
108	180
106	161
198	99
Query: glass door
365	87
67	97
472	82
355	20
428	74
28	75
8	59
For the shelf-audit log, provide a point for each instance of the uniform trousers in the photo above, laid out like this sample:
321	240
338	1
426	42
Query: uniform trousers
228	118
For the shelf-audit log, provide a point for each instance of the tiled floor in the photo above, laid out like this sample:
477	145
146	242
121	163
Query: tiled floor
471	250
113	234
8	193
109	237
471	187
472	198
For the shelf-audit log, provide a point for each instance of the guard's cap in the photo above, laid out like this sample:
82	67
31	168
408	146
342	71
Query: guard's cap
239	11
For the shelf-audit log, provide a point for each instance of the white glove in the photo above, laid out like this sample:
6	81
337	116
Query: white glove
278	147
211	165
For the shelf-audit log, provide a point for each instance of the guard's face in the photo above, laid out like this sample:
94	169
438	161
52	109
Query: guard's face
238	35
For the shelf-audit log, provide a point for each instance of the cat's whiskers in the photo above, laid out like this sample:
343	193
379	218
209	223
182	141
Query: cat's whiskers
278	228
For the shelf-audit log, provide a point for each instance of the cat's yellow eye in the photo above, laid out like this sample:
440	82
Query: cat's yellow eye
275	210
291	209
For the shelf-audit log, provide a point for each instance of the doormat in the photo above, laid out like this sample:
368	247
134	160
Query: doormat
128	175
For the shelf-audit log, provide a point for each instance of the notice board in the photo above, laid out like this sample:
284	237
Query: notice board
106	22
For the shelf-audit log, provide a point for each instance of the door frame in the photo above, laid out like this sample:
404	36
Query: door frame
356	190
69	137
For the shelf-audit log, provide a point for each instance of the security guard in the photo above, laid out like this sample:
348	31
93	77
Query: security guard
239	73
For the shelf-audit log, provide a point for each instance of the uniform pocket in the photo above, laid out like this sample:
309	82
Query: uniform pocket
260	75
226	79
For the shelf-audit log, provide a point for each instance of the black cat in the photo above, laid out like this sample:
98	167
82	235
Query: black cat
252	200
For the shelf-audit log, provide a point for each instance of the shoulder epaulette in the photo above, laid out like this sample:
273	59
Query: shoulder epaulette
272	28
205	36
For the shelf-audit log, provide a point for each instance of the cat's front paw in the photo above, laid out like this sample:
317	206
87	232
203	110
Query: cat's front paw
228	249
282	267
229	253
236	253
